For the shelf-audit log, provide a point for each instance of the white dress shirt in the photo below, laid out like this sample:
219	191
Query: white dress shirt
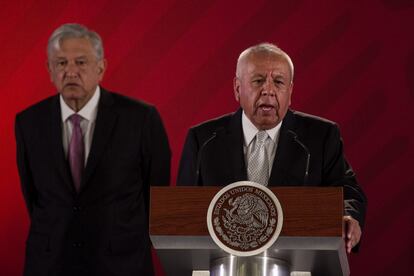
88	114
249	133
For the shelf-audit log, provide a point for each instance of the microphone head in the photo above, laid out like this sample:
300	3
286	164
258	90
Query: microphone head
293	134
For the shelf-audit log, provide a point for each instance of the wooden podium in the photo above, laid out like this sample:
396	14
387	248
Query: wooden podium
310	240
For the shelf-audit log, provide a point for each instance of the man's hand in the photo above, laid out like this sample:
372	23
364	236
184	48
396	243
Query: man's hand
352	232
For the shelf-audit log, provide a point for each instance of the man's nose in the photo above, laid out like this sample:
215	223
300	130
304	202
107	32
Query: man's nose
71	69
269	88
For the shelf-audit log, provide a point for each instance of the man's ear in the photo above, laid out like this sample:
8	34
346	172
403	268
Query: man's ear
49	70
236	88
102	64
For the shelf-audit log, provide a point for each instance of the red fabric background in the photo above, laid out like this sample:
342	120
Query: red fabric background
354	64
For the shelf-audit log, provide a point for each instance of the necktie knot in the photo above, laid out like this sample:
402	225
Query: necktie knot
75	119
261	136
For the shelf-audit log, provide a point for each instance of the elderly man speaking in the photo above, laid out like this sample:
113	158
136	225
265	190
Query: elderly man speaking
268	143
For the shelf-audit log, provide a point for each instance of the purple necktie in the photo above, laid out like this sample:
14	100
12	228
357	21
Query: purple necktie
76	151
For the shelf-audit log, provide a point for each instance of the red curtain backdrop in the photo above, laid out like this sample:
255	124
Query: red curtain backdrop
354	64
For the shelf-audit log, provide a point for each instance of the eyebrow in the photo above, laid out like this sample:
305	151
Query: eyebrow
277	75
80	57
258	75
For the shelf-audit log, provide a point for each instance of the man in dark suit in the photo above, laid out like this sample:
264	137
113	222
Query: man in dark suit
86	159
299	149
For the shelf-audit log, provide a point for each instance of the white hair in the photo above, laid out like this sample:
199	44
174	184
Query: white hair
263	48
73	30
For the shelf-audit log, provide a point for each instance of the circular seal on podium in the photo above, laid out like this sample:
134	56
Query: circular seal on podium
244	218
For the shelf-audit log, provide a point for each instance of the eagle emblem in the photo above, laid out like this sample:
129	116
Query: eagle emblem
244	218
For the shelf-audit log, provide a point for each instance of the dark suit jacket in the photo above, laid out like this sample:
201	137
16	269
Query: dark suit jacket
103	229
221	160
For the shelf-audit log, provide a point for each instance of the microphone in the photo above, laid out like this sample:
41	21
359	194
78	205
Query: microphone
295	137
200	153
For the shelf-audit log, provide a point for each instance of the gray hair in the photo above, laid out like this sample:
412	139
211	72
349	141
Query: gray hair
264	48
73	30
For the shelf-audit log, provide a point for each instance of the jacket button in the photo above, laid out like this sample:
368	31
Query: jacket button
78	244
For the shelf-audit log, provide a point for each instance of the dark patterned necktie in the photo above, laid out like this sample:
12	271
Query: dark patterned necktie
76	151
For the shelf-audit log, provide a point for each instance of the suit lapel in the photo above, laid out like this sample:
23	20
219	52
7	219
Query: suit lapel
234	143
288	156
105	122
57	144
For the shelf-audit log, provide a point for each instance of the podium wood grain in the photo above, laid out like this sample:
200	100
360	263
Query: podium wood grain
307	211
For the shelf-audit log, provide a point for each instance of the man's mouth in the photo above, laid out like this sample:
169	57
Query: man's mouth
266	107
71	84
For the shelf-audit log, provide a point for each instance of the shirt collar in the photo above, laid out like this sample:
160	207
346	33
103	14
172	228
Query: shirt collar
87	112
250	130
